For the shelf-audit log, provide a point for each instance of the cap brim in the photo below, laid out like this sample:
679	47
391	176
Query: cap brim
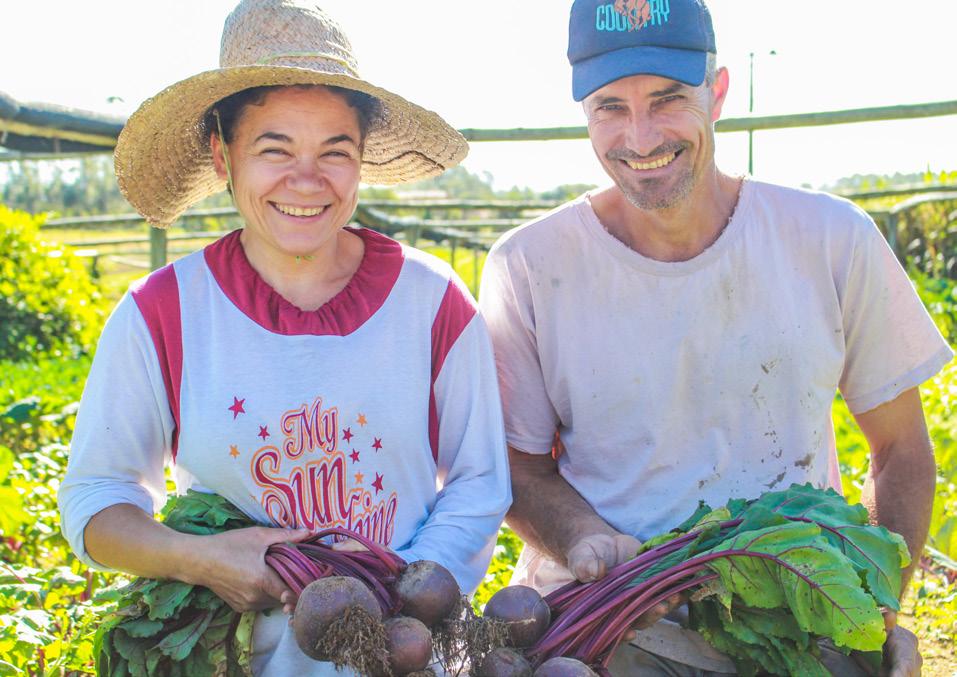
683	65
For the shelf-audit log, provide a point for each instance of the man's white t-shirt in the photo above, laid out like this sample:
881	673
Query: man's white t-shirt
706	379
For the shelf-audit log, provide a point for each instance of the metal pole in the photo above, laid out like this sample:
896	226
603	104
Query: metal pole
750	111
751	108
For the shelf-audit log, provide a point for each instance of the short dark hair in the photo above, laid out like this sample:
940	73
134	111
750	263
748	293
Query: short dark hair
368	108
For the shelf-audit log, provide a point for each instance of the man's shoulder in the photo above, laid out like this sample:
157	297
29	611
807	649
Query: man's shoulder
804	199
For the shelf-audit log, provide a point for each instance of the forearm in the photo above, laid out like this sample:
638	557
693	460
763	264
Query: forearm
899	496
546	511
125	538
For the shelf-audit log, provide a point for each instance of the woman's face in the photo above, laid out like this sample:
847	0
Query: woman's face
295	161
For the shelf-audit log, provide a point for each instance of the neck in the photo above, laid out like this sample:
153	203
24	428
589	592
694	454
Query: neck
678	233
308	281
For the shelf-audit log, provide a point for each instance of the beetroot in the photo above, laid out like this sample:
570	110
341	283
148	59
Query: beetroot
504	663
334	608
564	667
428	592
524	612
409	643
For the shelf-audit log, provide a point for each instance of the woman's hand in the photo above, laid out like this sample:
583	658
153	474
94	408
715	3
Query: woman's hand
233	565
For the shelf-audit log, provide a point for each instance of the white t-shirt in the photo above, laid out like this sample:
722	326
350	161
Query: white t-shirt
706	379
378	412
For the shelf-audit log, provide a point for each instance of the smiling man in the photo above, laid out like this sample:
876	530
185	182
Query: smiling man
683	332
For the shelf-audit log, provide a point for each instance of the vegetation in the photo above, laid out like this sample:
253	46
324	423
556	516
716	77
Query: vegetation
47	301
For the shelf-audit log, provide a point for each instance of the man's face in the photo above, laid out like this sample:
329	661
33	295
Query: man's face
655	136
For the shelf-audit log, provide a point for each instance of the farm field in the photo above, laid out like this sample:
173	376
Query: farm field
49	602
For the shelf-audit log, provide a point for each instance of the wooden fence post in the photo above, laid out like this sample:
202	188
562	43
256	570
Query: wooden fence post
157	248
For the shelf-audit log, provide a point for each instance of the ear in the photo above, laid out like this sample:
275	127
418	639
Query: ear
719	91
216	148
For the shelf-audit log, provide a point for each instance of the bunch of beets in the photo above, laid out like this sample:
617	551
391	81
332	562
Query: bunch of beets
350	601
371	611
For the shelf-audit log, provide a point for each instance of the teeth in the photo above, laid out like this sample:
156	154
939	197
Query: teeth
661	162
300	211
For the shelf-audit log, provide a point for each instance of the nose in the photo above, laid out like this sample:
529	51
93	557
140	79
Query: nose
643	134
306	177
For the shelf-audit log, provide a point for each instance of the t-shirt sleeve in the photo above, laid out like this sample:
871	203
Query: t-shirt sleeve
122	437
506	304
472	464
892	344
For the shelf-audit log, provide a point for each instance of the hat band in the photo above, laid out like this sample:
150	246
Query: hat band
266	60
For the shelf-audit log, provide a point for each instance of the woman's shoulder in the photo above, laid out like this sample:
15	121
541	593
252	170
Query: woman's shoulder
423	267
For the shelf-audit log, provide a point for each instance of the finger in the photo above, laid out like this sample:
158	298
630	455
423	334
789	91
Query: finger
350	545
674	602
298	535
626	548
288	600
890	620
279	535
652	616
273	586
586	564
901	654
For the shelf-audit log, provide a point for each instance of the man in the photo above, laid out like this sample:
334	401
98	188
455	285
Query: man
684	333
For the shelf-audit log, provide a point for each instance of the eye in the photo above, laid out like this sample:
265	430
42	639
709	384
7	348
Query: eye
670	98
610	107
274	152
338	154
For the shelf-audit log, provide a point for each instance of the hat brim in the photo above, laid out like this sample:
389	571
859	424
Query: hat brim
683	65
163	160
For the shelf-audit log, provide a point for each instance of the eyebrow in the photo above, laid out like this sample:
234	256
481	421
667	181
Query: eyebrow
602	100
273	136
340	138
673	88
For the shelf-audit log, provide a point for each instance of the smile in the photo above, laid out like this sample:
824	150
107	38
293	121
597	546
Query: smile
290	210
654	164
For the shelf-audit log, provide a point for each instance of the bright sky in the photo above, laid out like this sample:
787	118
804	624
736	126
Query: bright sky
501	63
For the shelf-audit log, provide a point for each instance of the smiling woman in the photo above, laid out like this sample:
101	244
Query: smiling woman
299	368
293	167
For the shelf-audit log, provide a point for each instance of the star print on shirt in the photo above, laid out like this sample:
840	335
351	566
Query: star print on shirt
354	456
377	444
378	483
362	419
233	451
347	434
263	431
237	407
359	478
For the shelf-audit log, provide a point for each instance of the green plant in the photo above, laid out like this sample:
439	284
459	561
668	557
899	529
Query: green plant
48	303
499	573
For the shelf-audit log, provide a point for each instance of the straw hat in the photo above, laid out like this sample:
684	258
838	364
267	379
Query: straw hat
163	160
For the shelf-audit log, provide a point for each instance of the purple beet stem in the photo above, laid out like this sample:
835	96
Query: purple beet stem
298	564
593	617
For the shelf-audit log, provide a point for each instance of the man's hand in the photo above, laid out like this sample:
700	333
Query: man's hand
594	556
901	654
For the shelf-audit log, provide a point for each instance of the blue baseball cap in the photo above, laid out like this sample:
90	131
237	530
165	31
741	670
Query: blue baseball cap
612	40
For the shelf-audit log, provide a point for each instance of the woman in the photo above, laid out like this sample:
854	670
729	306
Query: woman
312	374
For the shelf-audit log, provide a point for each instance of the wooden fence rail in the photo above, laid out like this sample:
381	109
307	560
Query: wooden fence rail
66	126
